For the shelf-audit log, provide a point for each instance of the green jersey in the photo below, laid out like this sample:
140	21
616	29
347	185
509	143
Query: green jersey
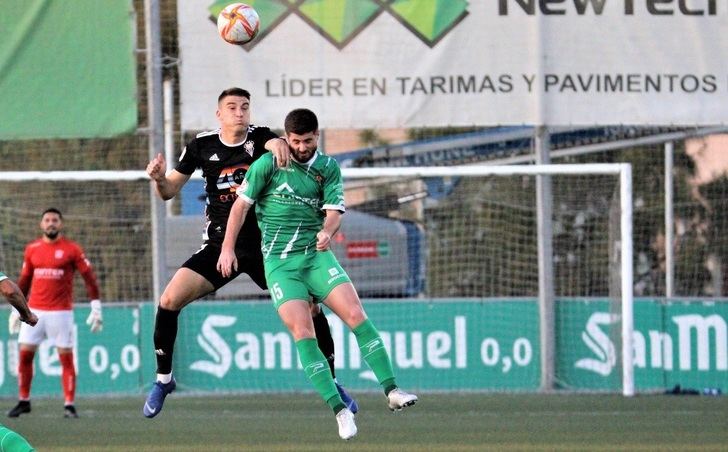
290	203
3	276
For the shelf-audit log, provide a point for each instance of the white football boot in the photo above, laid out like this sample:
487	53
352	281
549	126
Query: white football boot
347	427
399	399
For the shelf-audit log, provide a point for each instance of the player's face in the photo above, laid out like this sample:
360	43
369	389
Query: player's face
303	146
233	112
51	224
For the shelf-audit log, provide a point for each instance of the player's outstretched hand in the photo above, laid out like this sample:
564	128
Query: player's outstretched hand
95	320
14	322
279	148
227	262
157	167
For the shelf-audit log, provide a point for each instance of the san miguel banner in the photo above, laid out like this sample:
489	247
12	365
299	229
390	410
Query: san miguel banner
434	345
414	63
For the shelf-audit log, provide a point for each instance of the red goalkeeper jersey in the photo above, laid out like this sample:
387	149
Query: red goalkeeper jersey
47	273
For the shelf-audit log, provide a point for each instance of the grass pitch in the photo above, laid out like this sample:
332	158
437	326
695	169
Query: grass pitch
439	422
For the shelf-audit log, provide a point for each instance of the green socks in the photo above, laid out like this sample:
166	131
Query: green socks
317	370
372	350
374	353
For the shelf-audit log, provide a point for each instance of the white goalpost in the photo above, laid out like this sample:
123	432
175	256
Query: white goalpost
435	233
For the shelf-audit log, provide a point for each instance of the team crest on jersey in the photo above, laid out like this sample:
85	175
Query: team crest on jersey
59	254
249	147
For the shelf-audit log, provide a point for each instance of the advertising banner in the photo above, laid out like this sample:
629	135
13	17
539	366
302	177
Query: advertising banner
108	362
435	345
438	63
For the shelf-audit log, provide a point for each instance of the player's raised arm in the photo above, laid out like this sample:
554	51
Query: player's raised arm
227	260
167	185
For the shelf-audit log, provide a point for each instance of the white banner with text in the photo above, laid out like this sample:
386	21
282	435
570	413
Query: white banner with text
439	63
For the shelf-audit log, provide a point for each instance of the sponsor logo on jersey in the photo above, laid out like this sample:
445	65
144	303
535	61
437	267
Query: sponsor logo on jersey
48	273
284	186
231	177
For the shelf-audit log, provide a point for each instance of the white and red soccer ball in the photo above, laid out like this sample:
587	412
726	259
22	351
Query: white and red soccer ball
238	23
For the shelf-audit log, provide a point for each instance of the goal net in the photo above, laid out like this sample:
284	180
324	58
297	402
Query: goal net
106	212
446	260
480	226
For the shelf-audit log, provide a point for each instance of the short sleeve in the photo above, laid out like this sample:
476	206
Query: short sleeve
189	159
333	188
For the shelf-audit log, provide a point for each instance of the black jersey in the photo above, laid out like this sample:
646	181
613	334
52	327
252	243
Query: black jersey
223	168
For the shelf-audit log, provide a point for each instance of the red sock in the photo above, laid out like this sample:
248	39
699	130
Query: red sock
68	377
25	373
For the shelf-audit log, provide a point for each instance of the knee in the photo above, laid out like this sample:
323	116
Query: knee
168	302
354	316
302	332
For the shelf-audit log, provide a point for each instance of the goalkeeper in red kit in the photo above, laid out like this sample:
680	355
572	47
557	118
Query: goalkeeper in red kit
46	278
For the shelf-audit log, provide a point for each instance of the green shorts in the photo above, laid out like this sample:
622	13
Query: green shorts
303	276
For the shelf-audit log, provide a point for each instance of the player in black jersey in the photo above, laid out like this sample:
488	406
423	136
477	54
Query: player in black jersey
224	156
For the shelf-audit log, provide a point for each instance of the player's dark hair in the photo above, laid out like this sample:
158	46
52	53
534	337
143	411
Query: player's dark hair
52	210
300	121
234	91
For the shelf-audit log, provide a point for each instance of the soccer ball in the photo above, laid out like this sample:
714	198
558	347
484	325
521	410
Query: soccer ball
238	23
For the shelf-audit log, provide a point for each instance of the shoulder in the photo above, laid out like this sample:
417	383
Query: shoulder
258	130
206	134
33	244
326	163
264	161
204	138
260	133
70	245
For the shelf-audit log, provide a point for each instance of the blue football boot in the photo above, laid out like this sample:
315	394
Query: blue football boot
348	400
156	396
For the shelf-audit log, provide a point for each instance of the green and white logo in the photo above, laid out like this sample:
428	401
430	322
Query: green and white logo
340	21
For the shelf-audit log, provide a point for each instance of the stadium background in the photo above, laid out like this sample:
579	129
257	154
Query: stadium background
470	279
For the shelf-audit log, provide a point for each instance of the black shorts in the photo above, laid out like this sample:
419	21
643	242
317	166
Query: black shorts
250	261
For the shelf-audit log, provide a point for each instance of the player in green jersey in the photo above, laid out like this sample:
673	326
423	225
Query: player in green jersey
299	210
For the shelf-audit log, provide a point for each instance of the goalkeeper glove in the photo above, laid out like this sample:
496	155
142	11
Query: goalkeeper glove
95	320
14	322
